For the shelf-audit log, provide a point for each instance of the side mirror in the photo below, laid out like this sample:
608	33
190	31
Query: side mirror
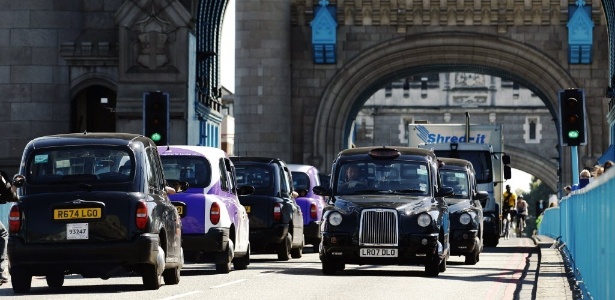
445	191
19	180
482	196
245	190
506	159
507	172
322	191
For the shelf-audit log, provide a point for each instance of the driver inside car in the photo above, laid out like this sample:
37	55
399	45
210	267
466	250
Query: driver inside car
353	178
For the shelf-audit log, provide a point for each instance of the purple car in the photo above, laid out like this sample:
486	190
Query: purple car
215	225
305	177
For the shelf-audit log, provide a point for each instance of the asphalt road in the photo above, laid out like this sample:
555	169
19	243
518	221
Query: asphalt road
505	272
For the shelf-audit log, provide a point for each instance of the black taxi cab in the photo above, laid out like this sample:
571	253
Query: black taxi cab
276	220
93	204
386	207
465	207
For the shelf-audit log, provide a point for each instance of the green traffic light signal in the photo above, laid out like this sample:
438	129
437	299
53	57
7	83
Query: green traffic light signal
573	134
156	137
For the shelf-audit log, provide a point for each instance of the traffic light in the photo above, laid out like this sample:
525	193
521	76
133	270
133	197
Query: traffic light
156	117
572	117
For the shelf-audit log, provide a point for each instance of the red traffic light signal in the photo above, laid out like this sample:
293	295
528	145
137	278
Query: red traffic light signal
572	117
156	117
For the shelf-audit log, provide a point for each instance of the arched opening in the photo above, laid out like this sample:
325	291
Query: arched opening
434	52
93	110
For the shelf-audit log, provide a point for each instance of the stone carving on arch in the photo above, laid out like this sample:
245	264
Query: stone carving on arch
349	16
367	16
413	51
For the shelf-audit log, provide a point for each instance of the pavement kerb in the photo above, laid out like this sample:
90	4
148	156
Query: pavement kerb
554	280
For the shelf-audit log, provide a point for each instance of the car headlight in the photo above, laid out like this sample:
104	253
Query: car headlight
465	219
424	220
335	218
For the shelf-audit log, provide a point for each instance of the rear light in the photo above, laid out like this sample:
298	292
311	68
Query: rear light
277	212
141	216
14	219
313	211
214	213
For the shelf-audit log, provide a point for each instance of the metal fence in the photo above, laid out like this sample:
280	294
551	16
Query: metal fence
584	223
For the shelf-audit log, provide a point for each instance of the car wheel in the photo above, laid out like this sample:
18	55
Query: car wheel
225	267
442	265
330	267
241	263
171	276
432	267
55	280
150	275
284	248
297	252
472	258
21	281
151	279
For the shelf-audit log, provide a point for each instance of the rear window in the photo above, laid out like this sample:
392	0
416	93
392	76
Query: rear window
193	169
92	164
260	177
301	181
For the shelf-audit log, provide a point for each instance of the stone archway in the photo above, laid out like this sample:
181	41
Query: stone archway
369	70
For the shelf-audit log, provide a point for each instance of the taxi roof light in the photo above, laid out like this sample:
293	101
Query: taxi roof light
384	153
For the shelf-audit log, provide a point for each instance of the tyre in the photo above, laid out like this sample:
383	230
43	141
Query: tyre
21	281
330	267
55	280
171	276
151	274
442	265
297	252
472	258
151	279
241	263
284	248
432	267
225	267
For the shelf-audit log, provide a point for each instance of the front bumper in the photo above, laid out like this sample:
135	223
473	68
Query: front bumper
411	249
463	241
94	259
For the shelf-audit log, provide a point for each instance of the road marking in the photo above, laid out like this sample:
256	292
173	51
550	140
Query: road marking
182	295
228	283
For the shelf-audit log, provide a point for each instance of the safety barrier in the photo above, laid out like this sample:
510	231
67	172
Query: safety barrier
584	223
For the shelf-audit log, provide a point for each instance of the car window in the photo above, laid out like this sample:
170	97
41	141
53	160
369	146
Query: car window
193	169
97	164
458	180
388	176
258	176
301	181
224	182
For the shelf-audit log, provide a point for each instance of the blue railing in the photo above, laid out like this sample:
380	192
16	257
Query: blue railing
584	223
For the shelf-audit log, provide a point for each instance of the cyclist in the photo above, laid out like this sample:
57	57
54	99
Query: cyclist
522	211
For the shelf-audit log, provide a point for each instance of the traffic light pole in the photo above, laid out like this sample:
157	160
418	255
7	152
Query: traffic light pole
574	155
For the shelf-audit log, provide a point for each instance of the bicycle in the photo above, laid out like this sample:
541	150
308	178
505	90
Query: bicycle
506	227
520	224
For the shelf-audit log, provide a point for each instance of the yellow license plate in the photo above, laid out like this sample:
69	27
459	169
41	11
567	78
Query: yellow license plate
248	209
180	209
77	213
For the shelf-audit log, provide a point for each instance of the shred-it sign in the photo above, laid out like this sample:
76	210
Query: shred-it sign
451	133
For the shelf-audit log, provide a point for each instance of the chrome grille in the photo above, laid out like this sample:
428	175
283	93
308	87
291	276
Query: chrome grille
378	227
